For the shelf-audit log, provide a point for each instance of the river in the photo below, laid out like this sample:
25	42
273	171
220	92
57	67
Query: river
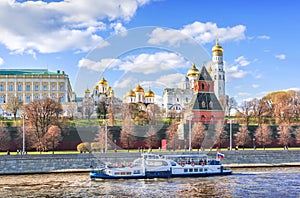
254	182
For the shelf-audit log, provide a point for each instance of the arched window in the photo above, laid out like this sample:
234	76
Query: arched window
203	104
211	104
202	86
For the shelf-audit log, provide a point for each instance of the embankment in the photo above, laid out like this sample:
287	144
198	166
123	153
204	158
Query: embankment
27	164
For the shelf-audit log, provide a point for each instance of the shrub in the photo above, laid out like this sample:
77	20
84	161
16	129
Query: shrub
84	147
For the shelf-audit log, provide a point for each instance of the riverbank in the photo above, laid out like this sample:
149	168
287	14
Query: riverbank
71	163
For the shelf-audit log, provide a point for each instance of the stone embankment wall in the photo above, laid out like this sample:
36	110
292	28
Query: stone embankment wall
22	164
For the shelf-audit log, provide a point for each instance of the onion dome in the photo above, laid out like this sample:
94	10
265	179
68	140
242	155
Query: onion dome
139	88
193	71
111	92
96	87
217	47
87	91
109	88
131	93
149	93
102	81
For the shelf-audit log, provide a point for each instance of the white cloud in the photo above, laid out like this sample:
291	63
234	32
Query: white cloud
124	83
264	37
241	61
153	63
201	32
233	72
57	26
255	86
1	61
170	80
99	66
119	28
280	56
244	94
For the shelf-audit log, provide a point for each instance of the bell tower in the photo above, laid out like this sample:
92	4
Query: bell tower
218	73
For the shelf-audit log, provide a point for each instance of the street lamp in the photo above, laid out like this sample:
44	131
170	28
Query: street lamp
254	144
23	116
230	135
189	117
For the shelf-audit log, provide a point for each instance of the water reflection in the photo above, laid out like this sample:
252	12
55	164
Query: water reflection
274	182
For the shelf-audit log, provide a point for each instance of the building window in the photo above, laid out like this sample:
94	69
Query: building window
1	87
11	87
177	99
203	104
27	87
62	99
27	99
2	99
45	87
19	87
61	87
36	87
53	87
20	97
202	85
211	104
36	97
186	99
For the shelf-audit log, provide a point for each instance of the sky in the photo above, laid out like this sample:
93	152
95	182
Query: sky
154	42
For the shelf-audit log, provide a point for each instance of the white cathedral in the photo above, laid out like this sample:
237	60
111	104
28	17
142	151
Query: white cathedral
176	100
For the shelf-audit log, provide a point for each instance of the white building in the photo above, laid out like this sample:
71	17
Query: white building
175	100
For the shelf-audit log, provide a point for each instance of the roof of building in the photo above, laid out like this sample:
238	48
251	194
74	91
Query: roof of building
206	101
30	72
204	75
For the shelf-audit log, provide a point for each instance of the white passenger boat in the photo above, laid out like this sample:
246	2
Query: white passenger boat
162	166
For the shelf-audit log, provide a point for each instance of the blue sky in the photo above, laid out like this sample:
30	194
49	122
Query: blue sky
260	41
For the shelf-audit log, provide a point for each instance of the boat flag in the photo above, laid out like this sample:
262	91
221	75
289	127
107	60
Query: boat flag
220	155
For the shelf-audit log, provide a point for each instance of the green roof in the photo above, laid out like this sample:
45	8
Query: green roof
29	72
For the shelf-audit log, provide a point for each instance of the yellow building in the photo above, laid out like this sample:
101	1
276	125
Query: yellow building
32	84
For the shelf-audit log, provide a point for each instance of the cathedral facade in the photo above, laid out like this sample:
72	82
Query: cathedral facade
178	100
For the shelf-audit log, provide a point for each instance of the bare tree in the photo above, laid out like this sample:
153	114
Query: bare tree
198	134
4	139
297	135
71	109
14	104
52	138
245	111
88	107
263	135
154	114
151	139
41	115
284	132
242	136
220	135
231	104
101	137
127	133
172	135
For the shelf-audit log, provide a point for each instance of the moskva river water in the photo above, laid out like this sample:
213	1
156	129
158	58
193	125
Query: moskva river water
255	182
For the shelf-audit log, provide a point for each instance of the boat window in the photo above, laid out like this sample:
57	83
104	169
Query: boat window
185	170
123	173
173	163
128	173
136	172
205	169
190	170
200	169
117	173
196	170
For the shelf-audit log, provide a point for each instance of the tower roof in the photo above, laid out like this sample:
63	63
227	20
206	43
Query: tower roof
193	71
102	81
206	101
149	93
139	88
217	47
131	93
204	75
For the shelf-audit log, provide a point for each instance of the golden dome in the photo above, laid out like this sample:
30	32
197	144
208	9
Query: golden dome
109	88
96	87
149	93
139	88
102	81
87	91
193	71
131	93
111	92
217	47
